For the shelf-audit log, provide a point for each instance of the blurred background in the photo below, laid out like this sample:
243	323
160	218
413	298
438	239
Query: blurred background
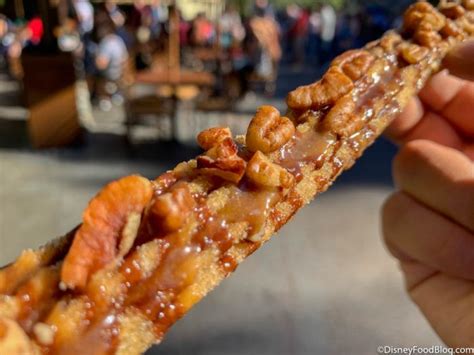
92	91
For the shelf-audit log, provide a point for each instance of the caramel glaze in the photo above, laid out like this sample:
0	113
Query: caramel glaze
208	234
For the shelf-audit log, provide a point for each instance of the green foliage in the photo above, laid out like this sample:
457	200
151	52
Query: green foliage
337	4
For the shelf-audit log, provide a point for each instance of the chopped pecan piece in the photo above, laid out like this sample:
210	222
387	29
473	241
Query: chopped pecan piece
223	161
262	171
327	91
390	41
231	169
451	29
268	131
413	53
95	243
422	16
466	25
427	38
213	136
452	10
169	211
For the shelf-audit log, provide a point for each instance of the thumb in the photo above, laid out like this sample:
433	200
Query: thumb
460	60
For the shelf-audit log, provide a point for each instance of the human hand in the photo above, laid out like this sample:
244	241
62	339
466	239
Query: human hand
429	223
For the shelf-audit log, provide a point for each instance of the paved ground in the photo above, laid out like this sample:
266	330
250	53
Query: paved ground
325	285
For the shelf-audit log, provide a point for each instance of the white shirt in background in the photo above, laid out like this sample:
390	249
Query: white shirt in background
328	23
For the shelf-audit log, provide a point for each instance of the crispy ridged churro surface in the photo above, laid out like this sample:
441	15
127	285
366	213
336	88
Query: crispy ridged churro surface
147	251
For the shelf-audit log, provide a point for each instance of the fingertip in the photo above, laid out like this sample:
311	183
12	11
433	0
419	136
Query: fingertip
440	90
460	60
405	162
406	121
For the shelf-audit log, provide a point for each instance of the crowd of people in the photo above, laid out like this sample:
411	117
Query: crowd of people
105	36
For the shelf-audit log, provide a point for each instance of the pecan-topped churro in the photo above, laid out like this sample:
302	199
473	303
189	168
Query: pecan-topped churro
147	251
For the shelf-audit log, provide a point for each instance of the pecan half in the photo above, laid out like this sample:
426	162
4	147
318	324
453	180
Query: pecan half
268	131
354	63
96	241
342	119
327	91
169	211
262	171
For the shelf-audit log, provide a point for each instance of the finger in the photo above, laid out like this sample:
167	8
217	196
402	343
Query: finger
460	61
440	177
406	121
435	128
440	95
428	237
452	98
459	111
447	304
440	90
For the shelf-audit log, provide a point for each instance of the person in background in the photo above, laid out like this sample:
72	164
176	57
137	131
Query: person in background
290	17
110	60
159	17
118	18
115	14
263	7
265	51
85	16
298	35
314	35
348	32
328	31
6	37
139	16
231	30
8	42
203	32
139	23
84	13
34	31
185	29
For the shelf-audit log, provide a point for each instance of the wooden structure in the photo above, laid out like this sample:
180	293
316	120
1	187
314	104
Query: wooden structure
182	84
48	79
